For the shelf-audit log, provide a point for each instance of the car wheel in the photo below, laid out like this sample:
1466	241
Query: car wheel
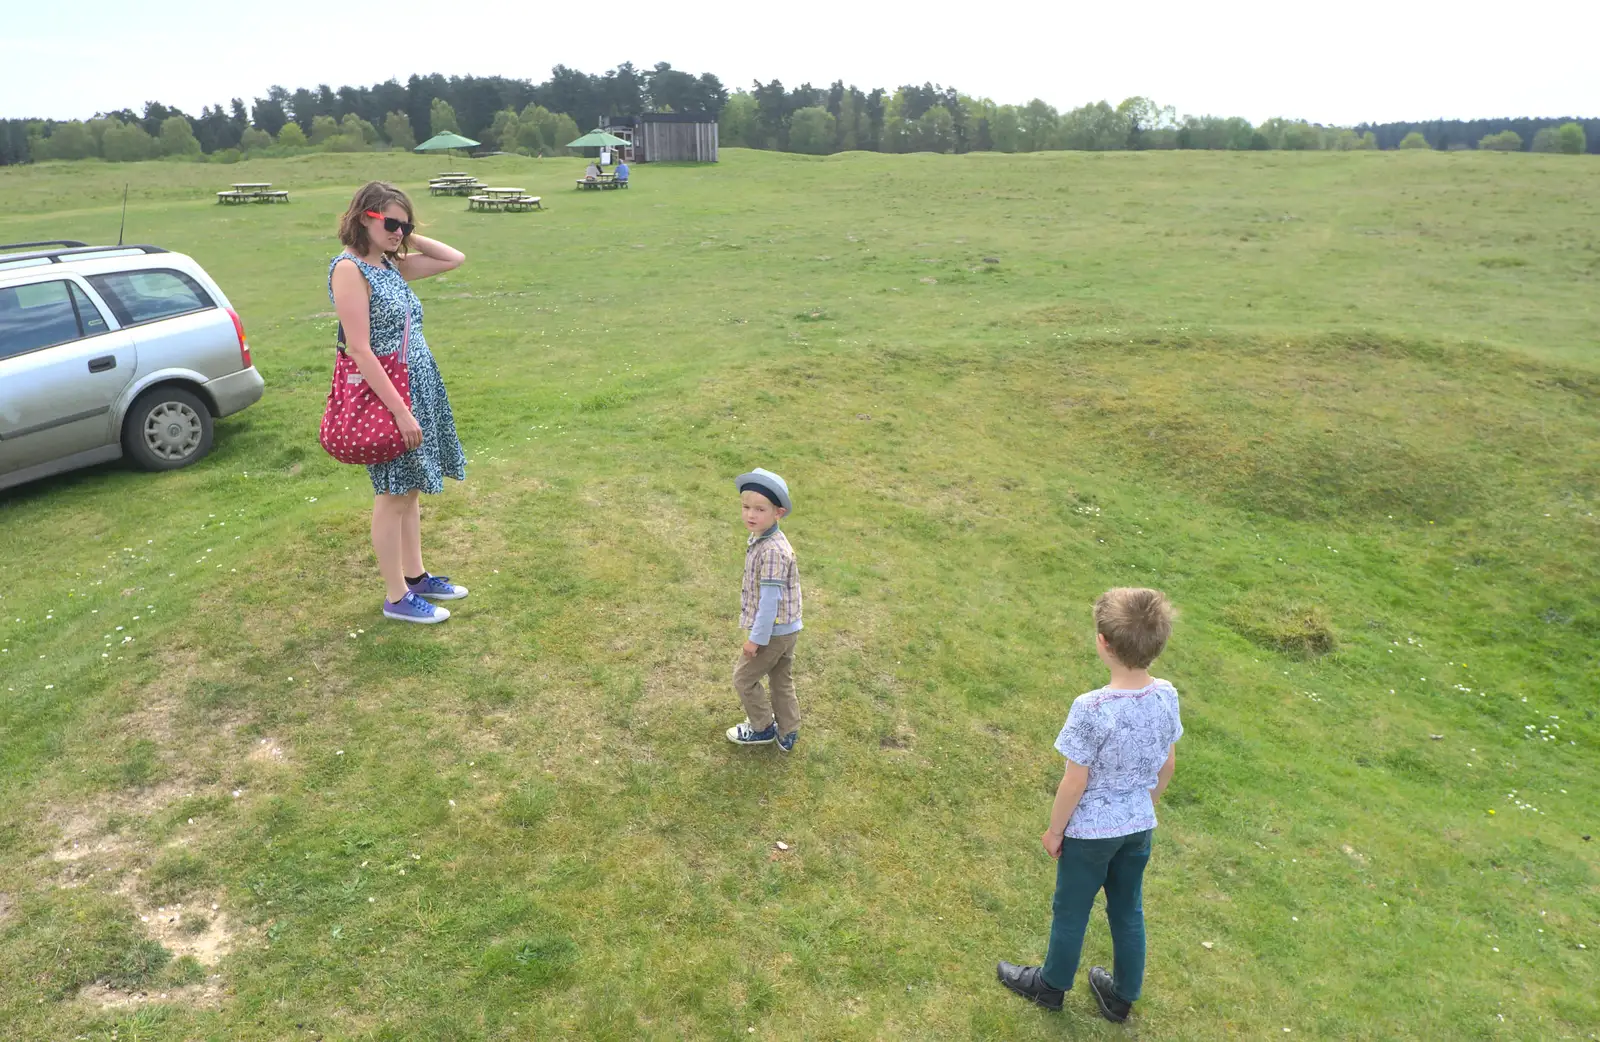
167	428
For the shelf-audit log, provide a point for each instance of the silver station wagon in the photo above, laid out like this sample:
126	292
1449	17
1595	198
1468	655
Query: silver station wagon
110	351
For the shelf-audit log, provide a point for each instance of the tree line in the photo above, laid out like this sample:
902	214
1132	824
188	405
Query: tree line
518	115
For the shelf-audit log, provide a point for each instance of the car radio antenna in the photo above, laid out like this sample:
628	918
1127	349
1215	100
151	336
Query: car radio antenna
124	223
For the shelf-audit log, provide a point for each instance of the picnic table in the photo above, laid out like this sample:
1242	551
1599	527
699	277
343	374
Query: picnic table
452	173
603	182
252	192
506	200
464	184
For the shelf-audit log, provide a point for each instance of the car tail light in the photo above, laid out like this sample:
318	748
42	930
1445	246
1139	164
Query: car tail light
244	348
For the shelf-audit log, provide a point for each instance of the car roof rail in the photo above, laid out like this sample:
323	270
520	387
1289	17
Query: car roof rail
68	248
69	243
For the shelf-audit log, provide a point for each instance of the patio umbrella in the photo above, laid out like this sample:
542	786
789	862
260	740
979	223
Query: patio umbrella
446	142
597	139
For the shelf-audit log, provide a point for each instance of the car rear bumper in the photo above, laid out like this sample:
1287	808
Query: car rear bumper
236	391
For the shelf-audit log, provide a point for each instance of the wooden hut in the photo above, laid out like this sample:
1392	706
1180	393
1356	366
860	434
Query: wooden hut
664	137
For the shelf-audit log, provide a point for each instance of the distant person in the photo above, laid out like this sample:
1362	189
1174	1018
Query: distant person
621	171
370	286
1119	744
769	608
593	172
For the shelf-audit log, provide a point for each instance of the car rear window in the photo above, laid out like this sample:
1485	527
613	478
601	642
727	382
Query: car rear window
38	315
146	296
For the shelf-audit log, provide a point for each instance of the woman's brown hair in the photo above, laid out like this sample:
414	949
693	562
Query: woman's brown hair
374	195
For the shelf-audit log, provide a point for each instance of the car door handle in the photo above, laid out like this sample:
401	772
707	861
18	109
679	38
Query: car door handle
100	365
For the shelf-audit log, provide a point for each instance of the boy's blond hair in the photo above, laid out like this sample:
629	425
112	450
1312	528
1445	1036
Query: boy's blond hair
1136	623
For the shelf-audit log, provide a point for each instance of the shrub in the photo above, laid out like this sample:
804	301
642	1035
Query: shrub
1505	141
1414	140
1571	139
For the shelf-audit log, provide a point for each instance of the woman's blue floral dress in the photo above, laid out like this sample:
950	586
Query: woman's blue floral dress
440	455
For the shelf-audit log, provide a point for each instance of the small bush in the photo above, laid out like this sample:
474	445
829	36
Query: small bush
1505	141
1281	624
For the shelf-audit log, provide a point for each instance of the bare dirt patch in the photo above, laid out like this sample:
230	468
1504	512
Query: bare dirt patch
199	996
197	928
268	751
89	845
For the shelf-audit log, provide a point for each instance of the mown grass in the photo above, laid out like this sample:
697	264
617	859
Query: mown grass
1303	394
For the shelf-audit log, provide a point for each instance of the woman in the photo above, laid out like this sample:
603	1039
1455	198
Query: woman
369	284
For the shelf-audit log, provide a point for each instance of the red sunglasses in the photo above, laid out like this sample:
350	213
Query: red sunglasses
393	224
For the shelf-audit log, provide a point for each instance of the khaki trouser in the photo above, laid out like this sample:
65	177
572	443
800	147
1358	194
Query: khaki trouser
775	661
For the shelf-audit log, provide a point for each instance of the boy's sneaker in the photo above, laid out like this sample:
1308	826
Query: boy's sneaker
786	742
744	734
1028	981
412	608
1112	1007
439	588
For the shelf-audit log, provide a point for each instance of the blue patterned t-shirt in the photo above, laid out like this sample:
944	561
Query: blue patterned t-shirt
1123	738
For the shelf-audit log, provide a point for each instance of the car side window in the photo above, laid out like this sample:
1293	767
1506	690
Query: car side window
37	315
146	296
89	318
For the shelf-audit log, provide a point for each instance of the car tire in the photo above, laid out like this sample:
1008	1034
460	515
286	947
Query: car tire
167	428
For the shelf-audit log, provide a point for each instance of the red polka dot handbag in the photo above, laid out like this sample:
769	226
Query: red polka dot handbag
356	426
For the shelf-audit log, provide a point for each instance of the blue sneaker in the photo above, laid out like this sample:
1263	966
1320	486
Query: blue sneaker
786	742
439	588
412	608
744	734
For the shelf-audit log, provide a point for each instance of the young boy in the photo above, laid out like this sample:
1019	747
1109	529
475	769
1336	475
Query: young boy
769	604
1118	741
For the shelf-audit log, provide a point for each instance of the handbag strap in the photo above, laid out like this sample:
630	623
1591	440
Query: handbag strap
405	338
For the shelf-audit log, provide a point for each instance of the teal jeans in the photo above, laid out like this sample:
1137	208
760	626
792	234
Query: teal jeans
1085	867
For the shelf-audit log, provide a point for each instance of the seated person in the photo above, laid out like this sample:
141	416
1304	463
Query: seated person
621	170
593	173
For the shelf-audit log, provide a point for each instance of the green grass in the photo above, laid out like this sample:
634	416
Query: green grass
1341	407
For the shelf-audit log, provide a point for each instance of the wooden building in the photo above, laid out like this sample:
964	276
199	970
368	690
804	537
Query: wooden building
667	137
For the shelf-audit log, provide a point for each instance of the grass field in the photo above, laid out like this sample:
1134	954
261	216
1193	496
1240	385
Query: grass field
1342	407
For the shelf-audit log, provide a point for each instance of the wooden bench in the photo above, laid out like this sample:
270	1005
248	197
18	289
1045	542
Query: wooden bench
275	197
524	203
231	197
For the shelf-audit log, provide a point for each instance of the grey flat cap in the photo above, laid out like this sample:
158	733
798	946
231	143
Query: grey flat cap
768	484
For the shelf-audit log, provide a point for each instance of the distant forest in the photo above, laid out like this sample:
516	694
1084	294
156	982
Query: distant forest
517	115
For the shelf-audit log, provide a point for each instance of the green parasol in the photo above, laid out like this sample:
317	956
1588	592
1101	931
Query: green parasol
446	142
597	139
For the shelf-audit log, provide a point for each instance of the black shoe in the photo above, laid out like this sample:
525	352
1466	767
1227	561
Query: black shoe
1112	1008
1028	981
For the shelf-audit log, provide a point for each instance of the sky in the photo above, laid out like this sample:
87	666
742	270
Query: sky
1355	61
